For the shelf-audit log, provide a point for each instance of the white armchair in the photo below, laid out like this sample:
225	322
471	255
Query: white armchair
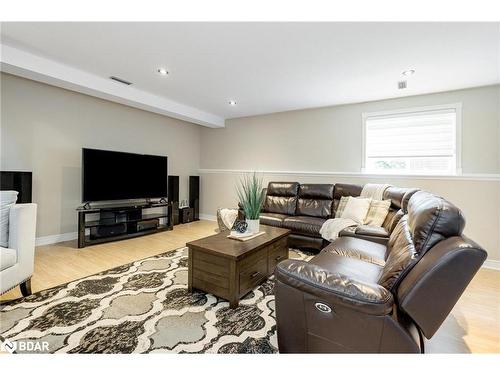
17	261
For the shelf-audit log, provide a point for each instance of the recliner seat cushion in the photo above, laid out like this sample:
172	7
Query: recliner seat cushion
306	225
275	220
359	249
432	219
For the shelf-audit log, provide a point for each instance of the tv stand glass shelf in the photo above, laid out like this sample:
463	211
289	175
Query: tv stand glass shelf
118	222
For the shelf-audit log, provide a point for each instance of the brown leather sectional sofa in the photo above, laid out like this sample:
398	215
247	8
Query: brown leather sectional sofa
303	208
364	292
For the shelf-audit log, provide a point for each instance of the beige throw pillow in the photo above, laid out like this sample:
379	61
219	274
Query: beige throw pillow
377	212
341	206
356	209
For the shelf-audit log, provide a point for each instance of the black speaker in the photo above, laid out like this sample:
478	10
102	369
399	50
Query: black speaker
173	197
18	181
194	196
186	215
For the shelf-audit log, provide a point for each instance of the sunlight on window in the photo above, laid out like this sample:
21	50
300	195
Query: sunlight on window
422	142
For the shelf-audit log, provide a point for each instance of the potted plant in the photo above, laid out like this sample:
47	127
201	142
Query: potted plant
251	198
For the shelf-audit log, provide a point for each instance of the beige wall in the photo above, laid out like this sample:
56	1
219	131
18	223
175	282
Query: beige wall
329	140
44	128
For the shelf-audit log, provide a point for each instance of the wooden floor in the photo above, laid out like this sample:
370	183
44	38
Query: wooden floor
473	326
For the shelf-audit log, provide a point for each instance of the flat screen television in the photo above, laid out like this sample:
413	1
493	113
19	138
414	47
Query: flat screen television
112	175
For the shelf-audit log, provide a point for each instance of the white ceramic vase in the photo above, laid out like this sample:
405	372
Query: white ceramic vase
253	225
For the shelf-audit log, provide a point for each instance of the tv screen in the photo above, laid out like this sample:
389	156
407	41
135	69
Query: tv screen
111	175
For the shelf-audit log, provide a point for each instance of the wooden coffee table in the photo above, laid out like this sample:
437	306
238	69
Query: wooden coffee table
229	268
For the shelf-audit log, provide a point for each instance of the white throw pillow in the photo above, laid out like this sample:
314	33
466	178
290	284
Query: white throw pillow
356	209
378	212
7	199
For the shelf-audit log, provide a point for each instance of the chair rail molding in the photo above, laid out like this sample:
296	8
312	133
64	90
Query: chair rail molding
462	177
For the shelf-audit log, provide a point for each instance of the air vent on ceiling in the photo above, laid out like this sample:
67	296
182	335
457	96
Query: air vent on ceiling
120	80
402	85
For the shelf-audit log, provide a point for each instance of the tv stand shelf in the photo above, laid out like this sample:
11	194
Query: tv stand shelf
114	222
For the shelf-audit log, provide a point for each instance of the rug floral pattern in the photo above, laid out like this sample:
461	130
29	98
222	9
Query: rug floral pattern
143	307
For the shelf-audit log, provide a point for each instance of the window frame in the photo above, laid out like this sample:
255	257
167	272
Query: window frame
457	107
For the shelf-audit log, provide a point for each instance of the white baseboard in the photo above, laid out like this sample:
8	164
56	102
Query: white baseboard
492	265
55	238
208	217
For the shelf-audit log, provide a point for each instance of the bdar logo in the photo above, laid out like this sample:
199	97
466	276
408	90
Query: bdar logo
24	346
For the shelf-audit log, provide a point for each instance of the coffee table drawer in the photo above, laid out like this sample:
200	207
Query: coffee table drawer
275	256
252	276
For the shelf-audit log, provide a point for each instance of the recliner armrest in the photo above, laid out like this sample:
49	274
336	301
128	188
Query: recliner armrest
335	287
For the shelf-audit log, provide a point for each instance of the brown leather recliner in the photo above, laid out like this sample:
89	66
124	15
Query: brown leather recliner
362	296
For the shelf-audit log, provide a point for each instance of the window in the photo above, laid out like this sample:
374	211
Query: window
416	141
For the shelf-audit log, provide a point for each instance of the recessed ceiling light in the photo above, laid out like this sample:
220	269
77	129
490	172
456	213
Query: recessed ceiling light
409	72
232	102
162	71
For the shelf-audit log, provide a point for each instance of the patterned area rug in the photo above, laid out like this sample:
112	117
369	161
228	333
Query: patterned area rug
143	307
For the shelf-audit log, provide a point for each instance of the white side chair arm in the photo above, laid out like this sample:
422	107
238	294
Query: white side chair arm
22	232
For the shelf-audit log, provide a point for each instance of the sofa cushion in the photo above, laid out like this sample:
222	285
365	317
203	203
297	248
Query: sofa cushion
392	220
306	225
432	219
344	190
275	220
377	212
7	199
398	196
8	257
281	198
356	209
359	249
341	206
280	205
315	200
400	254
347	190
283	189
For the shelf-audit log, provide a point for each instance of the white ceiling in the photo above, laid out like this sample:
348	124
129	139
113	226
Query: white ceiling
270	67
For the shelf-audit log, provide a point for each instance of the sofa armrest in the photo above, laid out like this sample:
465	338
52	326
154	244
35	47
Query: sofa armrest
22	229
335	287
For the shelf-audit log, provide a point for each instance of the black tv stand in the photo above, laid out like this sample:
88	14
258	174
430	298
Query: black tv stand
118	222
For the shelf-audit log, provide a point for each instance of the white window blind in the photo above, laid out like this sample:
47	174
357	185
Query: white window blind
422	142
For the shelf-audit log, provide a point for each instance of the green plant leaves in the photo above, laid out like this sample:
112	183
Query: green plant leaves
250	195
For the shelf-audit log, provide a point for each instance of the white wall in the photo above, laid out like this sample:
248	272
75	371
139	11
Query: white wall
327	141
43	129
